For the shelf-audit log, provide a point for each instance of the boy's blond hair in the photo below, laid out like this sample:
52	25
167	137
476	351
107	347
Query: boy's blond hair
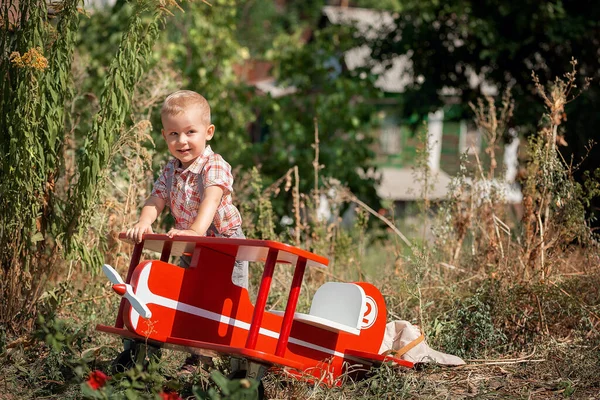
178	101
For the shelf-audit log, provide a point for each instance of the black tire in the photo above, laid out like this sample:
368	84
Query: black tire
241	374
124	361
135	353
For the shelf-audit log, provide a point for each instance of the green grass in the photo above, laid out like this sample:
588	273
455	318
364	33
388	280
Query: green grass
551	352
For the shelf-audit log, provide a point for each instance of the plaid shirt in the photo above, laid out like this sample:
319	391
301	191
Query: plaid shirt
187	191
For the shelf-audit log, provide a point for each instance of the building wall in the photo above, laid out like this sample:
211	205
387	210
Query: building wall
399	145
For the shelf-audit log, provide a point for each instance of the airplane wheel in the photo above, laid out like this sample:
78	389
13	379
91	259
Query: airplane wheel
241	374
135	353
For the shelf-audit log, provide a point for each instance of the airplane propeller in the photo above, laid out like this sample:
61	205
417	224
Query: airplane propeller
126	290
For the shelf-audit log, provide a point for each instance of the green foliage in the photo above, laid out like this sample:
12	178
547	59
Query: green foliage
260	23
389	5
55	359
138	382
469	329
339	99
211	47
388	380
56	334
501	43
554	203
210	52
34	88
235	389
45	208
126	70
201	44
2	339
259	209
550	181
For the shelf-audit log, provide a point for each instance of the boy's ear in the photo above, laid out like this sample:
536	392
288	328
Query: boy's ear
210	131
162	132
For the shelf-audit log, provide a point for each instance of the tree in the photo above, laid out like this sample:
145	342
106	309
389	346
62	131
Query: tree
45	210
502	42
264	22
339	99
206	44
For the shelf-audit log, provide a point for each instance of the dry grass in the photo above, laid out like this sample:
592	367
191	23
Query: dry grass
520	303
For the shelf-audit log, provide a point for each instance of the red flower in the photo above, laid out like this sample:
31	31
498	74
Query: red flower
97	379
169	396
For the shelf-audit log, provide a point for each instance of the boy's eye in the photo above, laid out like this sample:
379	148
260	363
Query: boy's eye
173	133
191	132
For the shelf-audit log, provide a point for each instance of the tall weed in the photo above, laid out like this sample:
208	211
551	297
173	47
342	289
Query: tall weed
41	222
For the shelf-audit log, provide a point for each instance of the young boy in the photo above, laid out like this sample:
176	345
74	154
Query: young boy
197	184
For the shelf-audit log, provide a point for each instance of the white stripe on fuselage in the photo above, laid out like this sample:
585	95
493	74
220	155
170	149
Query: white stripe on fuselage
144	294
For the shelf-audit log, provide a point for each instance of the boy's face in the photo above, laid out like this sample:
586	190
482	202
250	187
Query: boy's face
186	134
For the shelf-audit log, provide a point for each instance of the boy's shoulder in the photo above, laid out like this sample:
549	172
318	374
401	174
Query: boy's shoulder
215	159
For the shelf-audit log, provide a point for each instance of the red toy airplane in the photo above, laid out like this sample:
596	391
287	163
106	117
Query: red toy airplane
200	310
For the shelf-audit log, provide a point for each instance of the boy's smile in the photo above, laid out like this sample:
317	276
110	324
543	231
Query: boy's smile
186	134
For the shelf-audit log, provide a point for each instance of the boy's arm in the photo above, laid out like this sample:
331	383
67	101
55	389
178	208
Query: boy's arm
151	210
206	213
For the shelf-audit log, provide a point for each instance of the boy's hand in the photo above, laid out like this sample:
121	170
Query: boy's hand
182	232
137	232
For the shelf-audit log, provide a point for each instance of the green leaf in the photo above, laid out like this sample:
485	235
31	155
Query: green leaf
221	381
37	237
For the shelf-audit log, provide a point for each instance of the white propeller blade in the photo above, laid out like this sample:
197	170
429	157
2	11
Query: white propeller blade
137	304
114	278
112	275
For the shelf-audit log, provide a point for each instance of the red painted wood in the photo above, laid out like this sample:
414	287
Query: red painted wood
254	355
200	308
166	251
119	289
230	246
123	332
290	309
187	304
187	345
261	299
195	257
135	260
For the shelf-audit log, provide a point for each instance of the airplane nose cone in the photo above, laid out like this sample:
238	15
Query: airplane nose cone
119	289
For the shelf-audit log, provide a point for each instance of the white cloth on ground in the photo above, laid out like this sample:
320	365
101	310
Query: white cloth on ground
401	333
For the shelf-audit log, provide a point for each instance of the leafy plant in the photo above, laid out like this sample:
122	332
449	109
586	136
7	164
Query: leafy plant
46	208
469	329
34	88
234	389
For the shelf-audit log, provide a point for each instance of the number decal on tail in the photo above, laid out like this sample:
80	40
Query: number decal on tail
370	315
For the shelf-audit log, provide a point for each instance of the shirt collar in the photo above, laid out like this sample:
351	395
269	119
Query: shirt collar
198	164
